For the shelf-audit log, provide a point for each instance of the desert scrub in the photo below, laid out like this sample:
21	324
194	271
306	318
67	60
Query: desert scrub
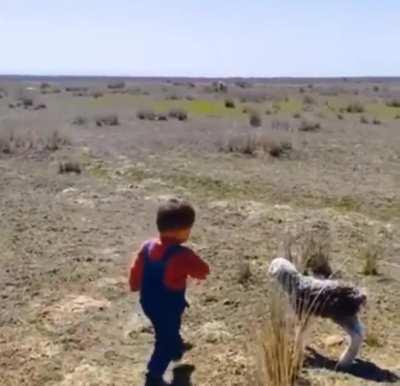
254	143
309	126
364	120
229	103
255	119
65	167
146	115
179	114
107	120
80	121
280	345
355	108
116	86
393	103
370	256
15	142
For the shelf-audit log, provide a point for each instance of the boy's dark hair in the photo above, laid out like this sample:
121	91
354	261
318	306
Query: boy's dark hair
175	214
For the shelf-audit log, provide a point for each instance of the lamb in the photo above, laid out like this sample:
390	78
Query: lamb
323	298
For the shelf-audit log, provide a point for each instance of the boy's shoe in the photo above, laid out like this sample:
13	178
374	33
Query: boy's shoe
151	380
186	346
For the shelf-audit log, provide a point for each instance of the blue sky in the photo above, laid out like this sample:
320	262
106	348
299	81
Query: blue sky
200	38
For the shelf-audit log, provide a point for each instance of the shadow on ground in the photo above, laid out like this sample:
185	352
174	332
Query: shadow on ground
182	375
360	368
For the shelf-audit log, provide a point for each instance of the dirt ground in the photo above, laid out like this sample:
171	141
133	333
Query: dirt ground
66	240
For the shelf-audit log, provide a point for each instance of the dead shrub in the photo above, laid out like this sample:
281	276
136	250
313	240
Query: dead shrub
179	114
308	100
244	273
393	103
355	108
370	255
65	167
40	106
255	119
80	121
162	117
54	140
146	115
119	85
310	249
281	343
308	126
107	120
26	102
251	144
229	103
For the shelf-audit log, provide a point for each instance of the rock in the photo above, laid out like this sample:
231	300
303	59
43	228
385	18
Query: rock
333	340
214	332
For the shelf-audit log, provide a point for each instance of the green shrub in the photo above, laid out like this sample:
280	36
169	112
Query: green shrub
229	103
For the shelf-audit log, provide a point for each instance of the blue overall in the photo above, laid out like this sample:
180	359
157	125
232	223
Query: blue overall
164	308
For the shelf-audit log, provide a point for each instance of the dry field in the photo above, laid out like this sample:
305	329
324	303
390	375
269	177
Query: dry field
83	165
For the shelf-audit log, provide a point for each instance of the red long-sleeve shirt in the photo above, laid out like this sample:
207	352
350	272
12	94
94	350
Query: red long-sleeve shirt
182	265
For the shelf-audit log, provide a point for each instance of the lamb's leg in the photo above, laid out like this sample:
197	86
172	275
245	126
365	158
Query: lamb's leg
355	330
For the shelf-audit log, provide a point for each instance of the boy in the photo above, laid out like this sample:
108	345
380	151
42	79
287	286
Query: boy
160	272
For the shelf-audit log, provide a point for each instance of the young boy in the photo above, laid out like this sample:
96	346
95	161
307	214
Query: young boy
159	272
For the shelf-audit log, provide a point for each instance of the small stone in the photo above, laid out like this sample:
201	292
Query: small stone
333	340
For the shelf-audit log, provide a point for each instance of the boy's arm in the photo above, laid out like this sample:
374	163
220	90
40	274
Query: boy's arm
136	272
197	268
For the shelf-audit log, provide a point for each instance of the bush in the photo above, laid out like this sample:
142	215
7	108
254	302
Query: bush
376	121
281	344
250	144
340	117
179	114
77	89
370	257
268	112
26	102
107	120
229	103
364	120
255	120
97	94
297	116
376	88
397	116
69	167
393	103
40	106
146	115
308	100
162	117
355	108
116	85
80	121
308	126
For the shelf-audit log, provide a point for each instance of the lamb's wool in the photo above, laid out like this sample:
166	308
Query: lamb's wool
323	298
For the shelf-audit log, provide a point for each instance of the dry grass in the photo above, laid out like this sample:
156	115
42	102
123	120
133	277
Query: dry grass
310	249
256	143
370	256
107	120
255	119
280	356
179	114
65	167
308	126
146	115
19	141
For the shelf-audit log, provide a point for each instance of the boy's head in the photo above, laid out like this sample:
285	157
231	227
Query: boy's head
175	218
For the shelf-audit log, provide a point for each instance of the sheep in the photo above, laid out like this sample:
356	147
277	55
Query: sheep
323	298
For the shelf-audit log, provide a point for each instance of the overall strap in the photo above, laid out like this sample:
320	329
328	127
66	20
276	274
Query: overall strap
171	251
146	249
